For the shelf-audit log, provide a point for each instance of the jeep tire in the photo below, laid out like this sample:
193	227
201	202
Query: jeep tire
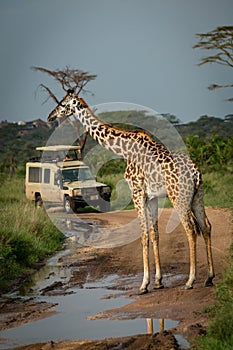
67	205
38	202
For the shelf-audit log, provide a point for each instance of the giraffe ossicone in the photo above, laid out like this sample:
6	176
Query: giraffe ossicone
152	171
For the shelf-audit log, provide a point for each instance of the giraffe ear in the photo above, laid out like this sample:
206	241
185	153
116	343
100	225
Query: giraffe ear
70	91
83	102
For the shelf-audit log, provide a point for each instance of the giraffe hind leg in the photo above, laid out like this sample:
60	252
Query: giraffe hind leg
205	227
191	230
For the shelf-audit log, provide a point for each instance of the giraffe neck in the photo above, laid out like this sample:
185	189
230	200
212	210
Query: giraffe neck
110	137
132	145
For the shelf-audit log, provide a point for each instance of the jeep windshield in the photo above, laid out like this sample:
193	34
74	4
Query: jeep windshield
77	174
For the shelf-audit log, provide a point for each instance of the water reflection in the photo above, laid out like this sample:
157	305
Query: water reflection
73	319
73	325
183	343
76	230
83	231
150	325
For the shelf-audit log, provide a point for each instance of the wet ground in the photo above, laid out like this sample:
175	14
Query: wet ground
86	294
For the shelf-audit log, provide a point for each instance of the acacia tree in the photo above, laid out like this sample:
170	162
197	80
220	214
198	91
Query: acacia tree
220	42
73	79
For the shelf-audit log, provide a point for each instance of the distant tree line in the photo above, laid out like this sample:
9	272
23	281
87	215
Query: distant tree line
209	141
215	153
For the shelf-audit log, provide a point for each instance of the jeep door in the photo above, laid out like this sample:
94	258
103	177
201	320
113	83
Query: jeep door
50	189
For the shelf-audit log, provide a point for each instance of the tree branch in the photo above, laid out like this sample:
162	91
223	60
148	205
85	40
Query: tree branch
69	78
50	94
216	86
221	40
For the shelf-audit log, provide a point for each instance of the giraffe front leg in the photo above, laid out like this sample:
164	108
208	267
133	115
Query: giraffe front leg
139	198
154	237
139	203
155	242
146	272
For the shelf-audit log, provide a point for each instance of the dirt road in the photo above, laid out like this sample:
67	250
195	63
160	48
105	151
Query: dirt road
172	302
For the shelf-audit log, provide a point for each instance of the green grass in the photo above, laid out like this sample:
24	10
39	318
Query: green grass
121	196
220	330
218	189
27	235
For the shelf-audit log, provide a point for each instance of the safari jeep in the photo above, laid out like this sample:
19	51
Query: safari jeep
60	177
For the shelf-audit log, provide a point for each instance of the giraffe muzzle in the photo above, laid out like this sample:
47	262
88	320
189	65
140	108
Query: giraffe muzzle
51	118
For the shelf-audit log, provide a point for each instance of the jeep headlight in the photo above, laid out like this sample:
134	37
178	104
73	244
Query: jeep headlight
76	192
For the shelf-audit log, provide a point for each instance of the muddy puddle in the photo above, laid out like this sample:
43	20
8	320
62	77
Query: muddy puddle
72	321
74	310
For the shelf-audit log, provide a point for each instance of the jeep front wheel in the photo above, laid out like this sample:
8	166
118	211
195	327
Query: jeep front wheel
38	202
67	205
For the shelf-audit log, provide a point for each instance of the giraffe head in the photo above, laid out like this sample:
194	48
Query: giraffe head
67	106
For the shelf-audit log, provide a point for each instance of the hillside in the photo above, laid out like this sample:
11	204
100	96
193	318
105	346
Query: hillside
207	127
19	141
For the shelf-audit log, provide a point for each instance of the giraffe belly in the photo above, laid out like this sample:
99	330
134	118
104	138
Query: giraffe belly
159	192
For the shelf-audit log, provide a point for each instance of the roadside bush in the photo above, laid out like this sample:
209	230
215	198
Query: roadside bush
218	189
210	154
220	330
27	235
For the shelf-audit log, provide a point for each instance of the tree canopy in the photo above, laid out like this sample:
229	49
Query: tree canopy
68	78
219	42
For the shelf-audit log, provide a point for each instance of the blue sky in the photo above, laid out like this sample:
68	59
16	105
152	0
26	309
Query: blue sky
141	51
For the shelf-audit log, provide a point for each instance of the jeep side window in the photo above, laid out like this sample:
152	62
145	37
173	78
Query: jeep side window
35	174
46	176
67	175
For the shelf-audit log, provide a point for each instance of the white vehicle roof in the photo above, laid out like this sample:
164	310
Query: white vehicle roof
57	148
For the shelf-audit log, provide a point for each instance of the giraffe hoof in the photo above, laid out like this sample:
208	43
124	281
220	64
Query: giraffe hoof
143	291
208	283
187	287
159	286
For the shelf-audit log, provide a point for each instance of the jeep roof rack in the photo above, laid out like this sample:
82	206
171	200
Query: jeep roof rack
57	148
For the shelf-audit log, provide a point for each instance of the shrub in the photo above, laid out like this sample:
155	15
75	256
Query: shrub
27	235
220	330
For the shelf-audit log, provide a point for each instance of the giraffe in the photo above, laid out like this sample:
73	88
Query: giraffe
152	171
